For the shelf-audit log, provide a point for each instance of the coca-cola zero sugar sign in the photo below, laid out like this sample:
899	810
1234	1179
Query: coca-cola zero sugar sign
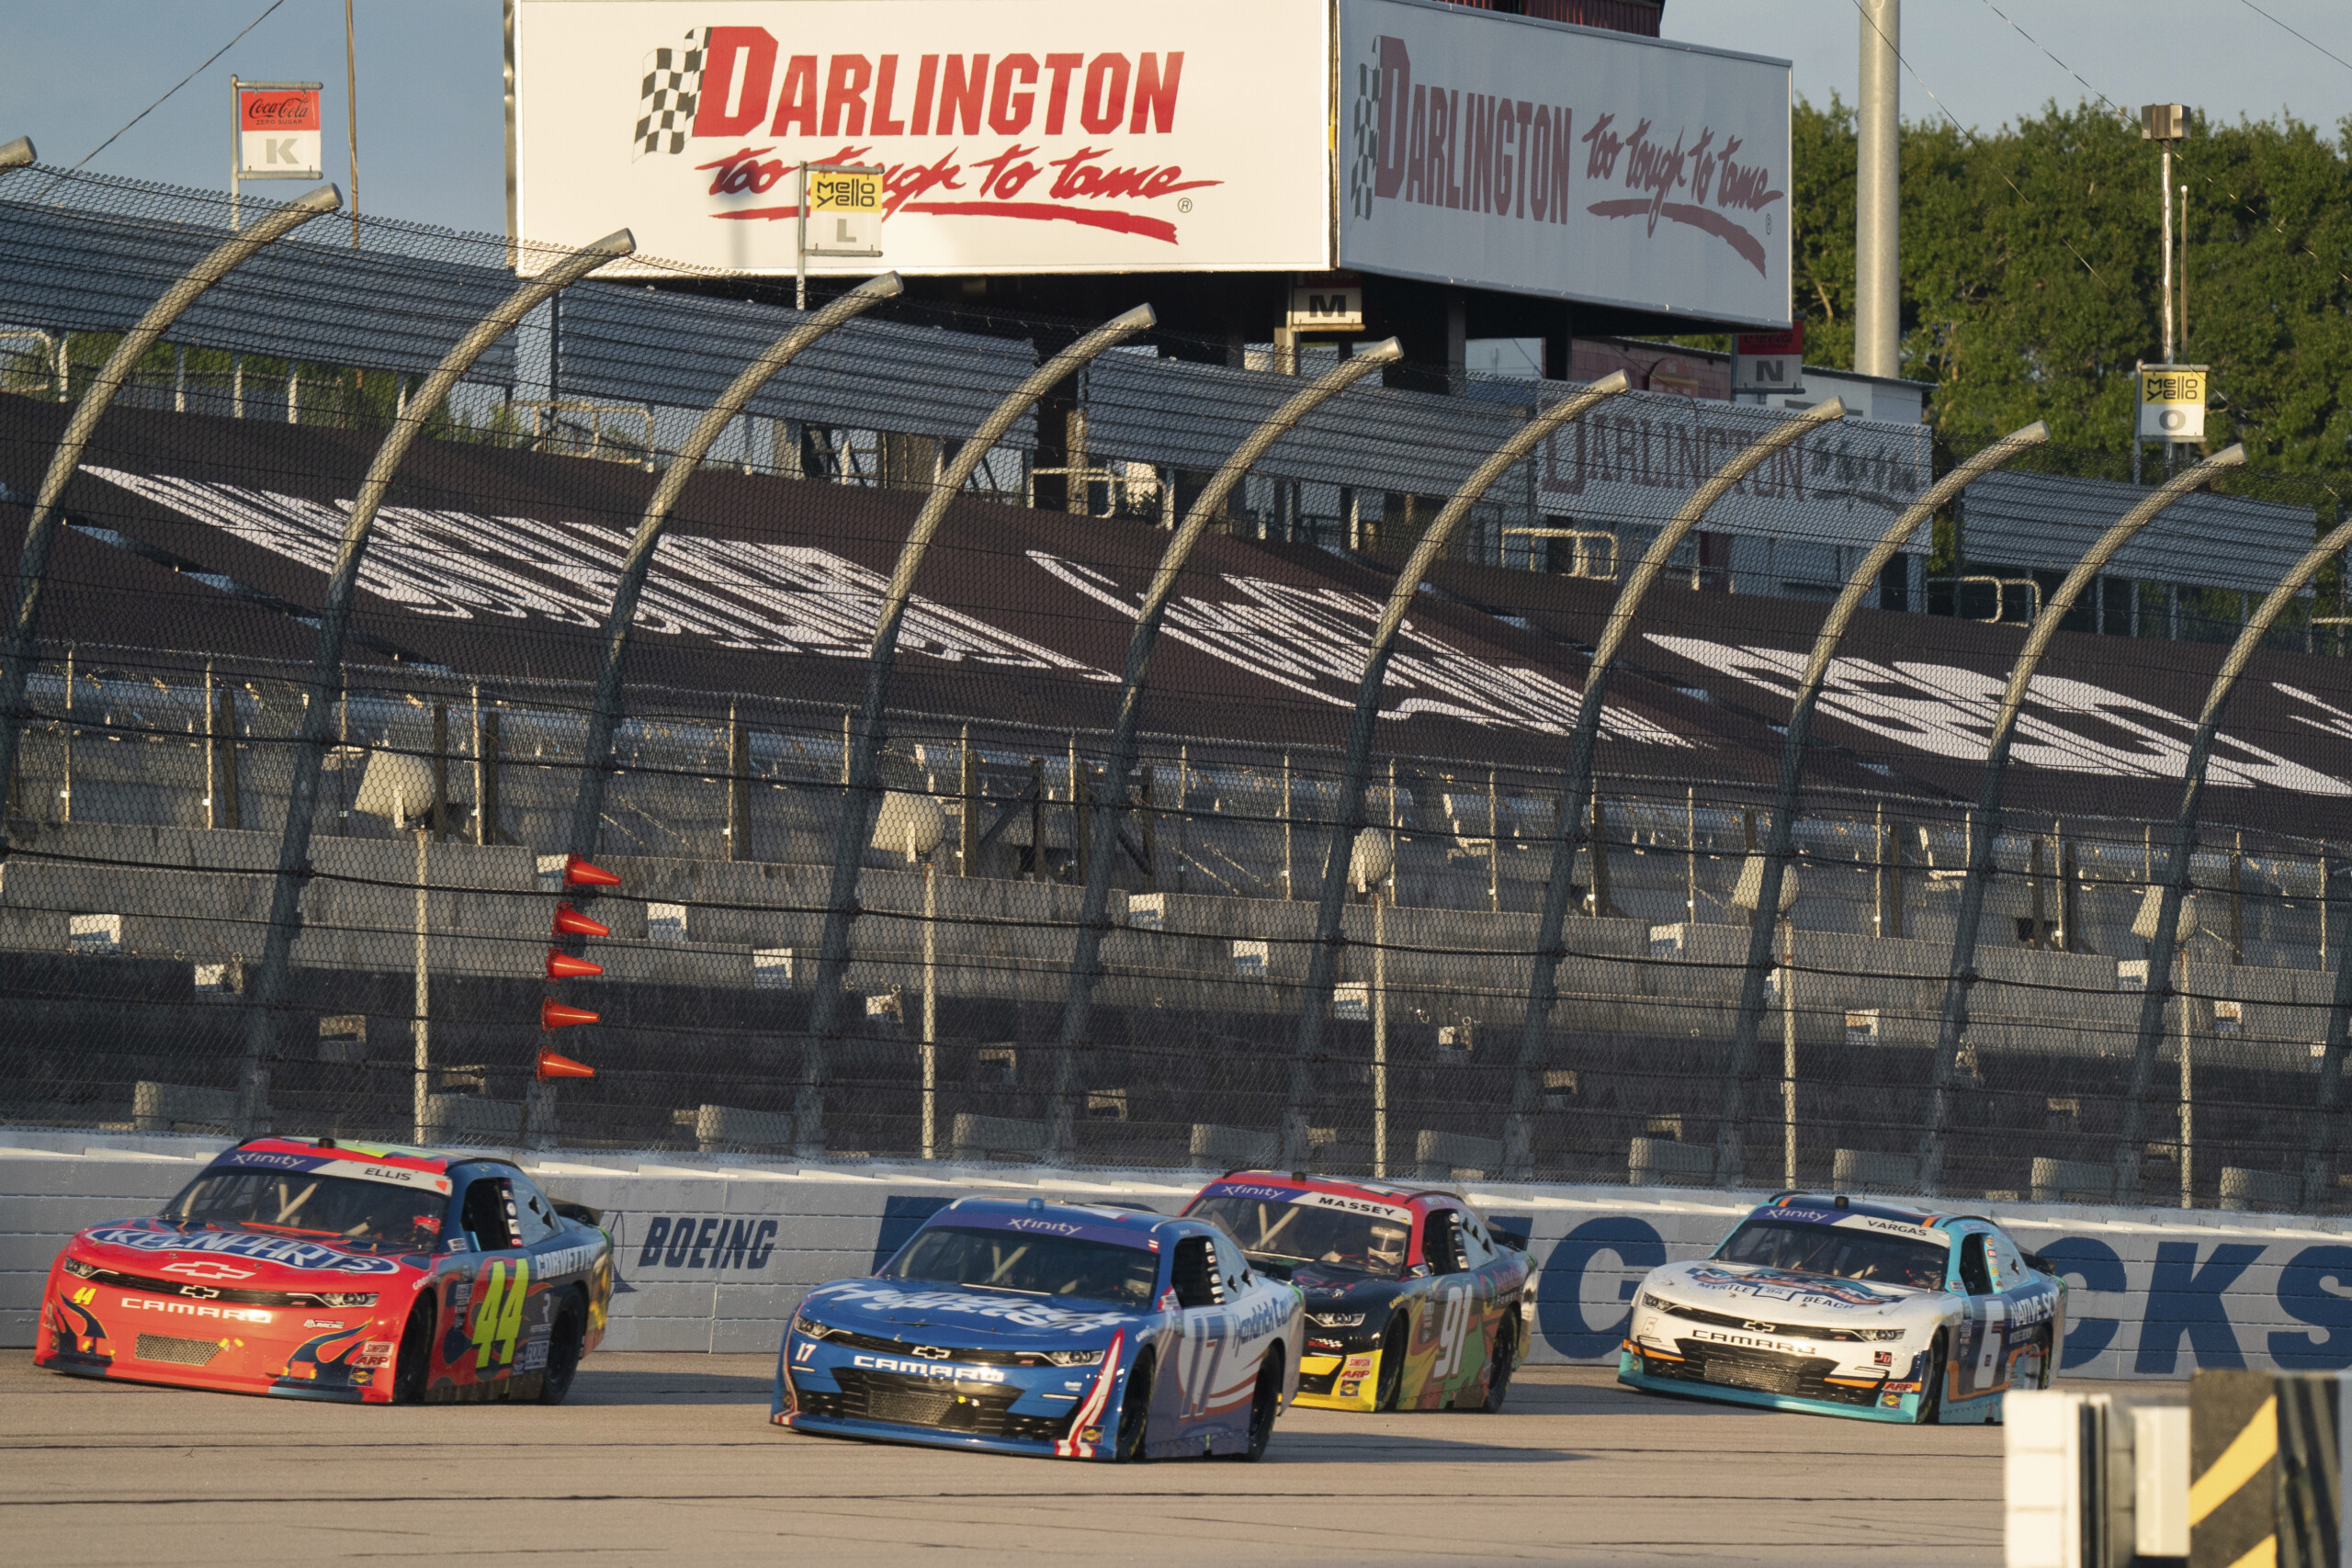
277	132
1019	136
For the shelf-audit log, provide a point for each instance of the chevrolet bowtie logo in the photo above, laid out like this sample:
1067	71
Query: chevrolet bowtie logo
1761	1327
929	1352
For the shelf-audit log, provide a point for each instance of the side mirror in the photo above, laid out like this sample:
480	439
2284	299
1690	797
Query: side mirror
1420	1271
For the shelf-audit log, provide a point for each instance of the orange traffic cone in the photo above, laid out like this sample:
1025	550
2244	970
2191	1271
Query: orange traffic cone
580	872
553	1014
570	921
562	965
554	1066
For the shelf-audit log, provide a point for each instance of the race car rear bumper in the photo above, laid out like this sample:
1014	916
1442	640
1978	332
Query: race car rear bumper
1638	1369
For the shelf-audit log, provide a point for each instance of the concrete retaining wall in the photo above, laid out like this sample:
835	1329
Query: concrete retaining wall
715	1254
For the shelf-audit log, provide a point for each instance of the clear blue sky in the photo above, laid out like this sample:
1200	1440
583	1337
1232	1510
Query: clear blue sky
432	129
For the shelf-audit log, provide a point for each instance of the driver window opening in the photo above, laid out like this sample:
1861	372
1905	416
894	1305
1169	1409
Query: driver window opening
1975	1273
1441	1242
483	1215
1193	1272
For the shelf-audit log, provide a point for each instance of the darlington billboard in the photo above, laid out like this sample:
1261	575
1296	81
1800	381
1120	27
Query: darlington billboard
1042	136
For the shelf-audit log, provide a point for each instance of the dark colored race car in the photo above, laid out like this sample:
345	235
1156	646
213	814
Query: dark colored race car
1412	1302
1852	1306
1059	1330
316	1270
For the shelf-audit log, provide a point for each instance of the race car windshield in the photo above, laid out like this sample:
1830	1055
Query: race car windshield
1277	1232
1841	1252
375	1214
972	1256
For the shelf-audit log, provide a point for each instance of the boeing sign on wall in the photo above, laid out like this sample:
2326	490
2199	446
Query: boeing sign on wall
1042	136
1507	153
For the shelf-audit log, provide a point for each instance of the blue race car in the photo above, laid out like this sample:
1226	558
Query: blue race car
1060	1330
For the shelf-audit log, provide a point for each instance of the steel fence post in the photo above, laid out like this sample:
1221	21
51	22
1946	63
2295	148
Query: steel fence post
603	709
1572	827
1961	973
1086	965
41	530
2162	946
864	741
1347	819
294	871
1778	846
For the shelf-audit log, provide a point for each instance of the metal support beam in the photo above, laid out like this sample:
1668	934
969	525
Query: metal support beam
1730	1155
605	708
863	740
1574	818
1086	961
40	531
1348	816
1986	826
2165	941
268	1000
1878	192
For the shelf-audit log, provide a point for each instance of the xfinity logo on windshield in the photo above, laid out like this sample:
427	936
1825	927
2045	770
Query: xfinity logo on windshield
1051	1227
928	1369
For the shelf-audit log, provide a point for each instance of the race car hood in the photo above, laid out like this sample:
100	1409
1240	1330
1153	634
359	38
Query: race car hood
897	1309
1749	1288
232	1256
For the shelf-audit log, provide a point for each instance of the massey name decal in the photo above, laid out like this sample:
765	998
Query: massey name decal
692	1241
282	1250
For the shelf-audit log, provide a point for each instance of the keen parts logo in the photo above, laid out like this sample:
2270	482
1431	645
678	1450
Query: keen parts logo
1517	155
1025	136
281	1250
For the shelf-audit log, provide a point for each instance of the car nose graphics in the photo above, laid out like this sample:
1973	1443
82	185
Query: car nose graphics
285	1251
1774	1284
886	1304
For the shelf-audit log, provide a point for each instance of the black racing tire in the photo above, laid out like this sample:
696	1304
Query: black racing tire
412	1366
564	1342
1264	1405
1390	1382
1931	1391
1134	1414
1498	1369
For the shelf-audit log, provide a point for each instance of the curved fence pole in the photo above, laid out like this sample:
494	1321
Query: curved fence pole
605	708
1347	814
2165	943
268	1000
1573	829
1783	834
1086	961
865	742
40	531
1962	975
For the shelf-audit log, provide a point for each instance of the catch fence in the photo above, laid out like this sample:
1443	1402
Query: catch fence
173	688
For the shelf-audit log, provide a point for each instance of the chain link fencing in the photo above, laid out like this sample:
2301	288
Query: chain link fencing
162	723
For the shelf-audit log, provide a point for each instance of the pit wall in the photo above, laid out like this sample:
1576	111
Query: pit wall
714	1254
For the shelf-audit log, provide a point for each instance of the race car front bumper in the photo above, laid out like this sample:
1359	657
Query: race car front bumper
1785	1383
142	1337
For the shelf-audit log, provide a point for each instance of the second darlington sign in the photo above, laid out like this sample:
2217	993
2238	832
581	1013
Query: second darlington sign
1042	135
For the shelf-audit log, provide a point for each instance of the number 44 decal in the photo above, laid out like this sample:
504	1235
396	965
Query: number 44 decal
498	1311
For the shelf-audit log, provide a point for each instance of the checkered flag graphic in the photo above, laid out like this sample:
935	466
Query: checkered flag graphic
666	103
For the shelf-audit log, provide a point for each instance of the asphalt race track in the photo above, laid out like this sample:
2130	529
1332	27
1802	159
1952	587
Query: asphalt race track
669	1459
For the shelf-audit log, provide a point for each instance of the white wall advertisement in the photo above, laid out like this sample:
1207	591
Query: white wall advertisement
1018	135
1507	153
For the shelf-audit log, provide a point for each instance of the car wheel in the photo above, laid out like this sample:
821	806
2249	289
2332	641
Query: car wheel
1135	1413
1264	1407
412	1370
1932	1394
563	1353
1391	1381
1499	1371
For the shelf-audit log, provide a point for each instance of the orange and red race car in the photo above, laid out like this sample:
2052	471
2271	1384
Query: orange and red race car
1412	1302
316	1270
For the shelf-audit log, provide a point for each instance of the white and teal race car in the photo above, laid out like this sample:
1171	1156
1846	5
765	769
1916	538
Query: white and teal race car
1851	1307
